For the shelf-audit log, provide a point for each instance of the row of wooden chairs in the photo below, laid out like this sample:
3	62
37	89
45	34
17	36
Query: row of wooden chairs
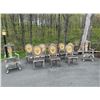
53	51
43	53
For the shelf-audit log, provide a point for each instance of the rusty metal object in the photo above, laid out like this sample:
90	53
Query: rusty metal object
13	60
87	52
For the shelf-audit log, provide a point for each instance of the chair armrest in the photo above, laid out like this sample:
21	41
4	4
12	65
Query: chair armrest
17	55
4	56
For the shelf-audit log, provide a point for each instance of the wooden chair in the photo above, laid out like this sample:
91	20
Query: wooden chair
70	53
53	55
29	54
43	47
38	56
62	52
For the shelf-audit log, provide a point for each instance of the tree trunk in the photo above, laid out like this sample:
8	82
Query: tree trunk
22	30
12	17
36	25
51	24
58	31
58	27
86	28
42	25
31	28
66	21
6	25
89	34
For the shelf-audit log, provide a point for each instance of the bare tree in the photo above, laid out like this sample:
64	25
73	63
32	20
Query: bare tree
31	28
42	25
12	17
22	30
58	28
66	22
5	24
51	22
36	24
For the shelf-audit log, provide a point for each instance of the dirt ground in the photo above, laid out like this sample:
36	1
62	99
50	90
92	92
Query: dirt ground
83	74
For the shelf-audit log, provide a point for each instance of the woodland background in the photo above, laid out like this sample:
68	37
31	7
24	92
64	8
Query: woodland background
48	28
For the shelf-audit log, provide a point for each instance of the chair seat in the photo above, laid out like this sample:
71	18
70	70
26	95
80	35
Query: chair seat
13	59
87	55
73	57
38	60
54	58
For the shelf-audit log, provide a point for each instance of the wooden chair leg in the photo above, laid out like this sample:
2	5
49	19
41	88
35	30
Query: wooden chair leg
43	63
69	61
33	65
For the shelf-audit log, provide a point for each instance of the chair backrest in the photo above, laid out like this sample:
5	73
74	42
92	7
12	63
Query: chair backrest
69	49
61	47
28	48
10	49
43	47
52	49
37	51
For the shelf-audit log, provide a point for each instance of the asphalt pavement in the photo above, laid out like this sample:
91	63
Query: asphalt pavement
83	74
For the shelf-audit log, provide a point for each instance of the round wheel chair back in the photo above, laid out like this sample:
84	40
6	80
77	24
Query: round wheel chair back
61	47
52	49
37	51
69	48
43	47
28	48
